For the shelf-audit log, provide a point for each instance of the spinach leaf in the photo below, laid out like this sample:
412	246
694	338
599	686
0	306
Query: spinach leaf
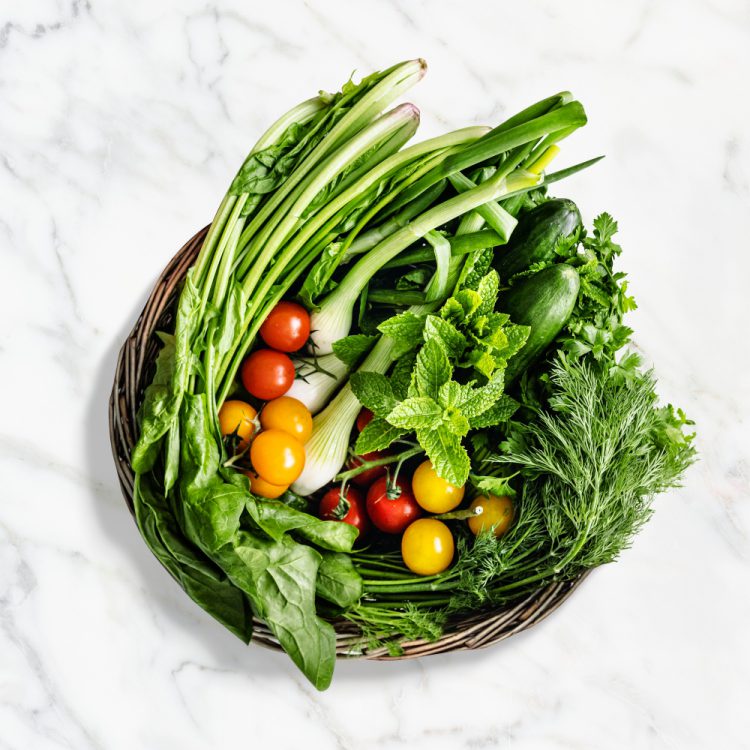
338	581
277	519
203	581
318	280
280	577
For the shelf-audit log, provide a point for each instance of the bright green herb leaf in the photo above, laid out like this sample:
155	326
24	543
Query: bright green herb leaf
374	392
501	411
448	456
416	413
401	375
455	421
376	436
432	370
475	401
488	290
452	340
450	394
352	348
405	329
499	486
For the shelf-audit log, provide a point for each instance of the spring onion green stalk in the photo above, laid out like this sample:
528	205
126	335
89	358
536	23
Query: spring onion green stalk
317	380
392	84
461	244
495	216
333	214
369	239
333	320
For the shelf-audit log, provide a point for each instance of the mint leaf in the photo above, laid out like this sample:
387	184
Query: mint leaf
448	456
470	302
488	290
501	411
516	336
432	370
373	391
376	436
482	361
401	375
474	401
405	329
453	341
452	311
416	413
475	268
449	394
455	421
351	349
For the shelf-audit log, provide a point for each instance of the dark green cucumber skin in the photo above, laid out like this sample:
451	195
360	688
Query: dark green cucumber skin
536	235
543	302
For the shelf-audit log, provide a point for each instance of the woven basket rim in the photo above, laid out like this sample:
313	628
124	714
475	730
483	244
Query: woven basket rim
136	356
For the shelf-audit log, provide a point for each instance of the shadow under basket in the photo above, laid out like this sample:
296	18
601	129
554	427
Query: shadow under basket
133	374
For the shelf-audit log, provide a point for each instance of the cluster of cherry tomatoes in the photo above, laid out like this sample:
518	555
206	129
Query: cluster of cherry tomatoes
275	440
398	506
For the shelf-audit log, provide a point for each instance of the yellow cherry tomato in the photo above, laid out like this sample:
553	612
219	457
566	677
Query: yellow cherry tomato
237	417
261	488
434	494
289	415
496	513
277	457
427	547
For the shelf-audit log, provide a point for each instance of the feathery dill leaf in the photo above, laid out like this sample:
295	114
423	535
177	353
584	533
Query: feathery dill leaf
595	459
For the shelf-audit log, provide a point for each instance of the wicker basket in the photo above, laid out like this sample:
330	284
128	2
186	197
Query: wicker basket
134	370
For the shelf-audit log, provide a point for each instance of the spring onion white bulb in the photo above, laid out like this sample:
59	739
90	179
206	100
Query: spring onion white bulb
326	450
317	380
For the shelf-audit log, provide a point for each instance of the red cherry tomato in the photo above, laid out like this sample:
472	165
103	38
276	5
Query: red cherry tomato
364	418
349	509
267	374
287	327
392	507
368	476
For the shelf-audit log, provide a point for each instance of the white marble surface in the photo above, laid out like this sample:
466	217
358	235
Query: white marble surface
121	124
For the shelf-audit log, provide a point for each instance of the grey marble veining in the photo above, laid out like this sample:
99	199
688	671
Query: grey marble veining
120	126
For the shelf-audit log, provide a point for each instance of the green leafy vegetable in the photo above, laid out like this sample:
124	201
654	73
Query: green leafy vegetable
351	349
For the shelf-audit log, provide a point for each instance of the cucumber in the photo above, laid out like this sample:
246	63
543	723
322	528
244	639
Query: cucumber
543	301
536	235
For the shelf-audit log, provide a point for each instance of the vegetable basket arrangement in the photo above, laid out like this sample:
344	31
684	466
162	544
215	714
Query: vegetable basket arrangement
383	405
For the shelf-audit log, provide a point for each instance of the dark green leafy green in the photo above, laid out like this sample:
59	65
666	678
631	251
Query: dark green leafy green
338	581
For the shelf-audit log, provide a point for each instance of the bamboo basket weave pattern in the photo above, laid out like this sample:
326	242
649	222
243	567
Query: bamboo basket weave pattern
133	373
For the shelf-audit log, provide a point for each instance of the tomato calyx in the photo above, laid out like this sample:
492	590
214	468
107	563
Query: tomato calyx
393	491
342	508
